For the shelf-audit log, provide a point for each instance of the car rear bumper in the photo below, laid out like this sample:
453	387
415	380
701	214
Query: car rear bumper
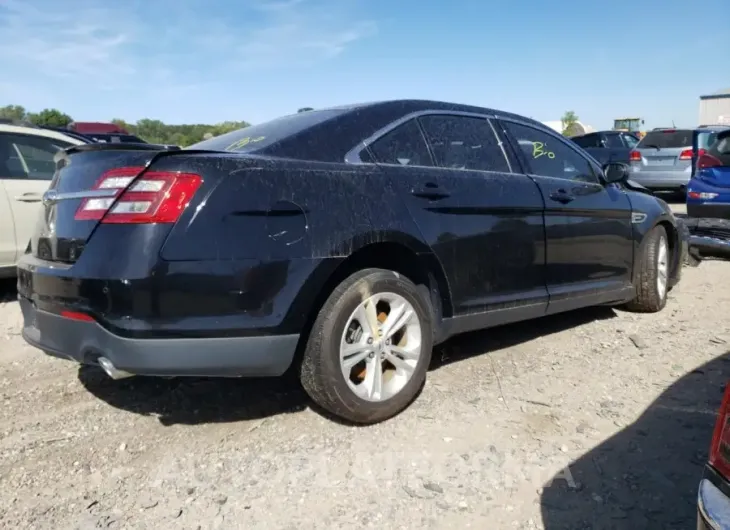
86	341
661	180
715	210
713	502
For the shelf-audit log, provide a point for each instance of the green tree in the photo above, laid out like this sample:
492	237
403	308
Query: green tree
569	123
13	112
153	131
50	118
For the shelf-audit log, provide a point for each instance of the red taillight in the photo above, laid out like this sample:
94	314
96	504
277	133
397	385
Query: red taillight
707	161
156	197
720	446
635	156
686	154
75	315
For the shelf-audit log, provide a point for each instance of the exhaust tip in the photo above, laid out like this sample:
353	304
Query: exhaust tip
111	370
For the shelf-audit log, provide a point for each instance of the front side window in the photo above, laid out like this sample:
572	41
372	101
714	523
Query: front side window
549	156
630	140
403	146
28	157
461	142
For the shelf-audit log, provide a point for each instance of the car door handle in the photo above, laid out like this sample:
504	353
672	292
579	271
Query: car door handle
561	196
30	197
430	191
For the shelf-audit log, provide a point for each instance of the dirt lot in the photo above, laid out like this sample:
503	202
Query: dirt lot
596	419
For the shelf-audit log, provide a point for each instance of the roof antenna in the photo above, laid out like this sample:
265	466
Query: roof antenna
673	126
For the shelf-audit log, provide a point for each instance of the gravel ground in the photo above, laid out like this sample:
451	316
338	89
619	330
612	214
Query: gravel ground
593	419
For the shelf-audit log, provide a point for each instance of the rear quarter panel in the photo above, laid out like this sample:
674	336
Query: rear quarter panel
281	210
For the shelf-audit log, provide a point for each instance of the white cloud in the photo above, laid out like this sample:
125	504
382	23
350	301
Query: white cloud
162	50
58	42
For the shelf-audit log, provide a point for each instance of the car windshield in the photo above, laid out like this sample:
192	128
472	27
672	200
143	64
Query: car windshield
117	138
667	139
268	133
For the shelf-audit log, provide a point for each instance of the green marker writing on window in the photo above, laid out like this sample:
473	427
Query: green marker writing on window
538	150
243	142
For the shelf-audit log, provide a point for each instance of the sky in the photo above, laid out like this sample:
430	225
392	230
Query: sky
196	61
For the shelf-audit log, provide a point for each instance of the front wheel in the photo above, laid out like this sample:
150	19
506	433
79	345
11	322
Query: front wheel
652	277
370	347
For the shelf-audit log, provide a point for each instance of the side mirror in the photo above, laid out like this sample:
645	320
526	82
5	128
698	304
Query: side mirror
615	172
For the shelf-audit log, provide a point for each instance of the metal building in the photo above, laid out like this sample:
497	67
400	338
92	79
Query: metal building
715	108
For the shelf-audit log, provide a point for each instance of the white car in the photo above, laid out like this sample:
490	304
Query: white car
26	169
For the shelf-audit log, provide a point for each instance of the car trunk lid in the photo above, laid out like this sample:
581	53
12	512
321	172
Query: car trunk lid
83	179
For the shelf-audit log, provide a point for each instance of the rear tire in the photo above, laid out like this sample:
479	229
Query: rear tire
652	278
356	393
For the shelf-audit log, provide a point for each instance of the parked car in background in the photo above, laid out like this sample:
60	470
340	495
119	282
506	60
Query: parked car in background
26	169
708	192
662	160
356	237
96	127
608	146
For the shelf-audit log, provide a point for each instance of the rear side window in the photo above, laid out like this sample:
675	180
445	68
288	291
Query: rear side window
404	145
460	142
589	140
720	148
28	157
667	139
266	134
613	141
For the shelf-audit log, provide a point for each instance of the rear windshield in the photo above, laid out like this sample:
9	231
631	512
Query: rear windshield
668	139
265	134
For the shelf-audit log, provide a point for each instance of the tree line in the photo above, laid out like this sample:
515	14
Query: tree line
152	131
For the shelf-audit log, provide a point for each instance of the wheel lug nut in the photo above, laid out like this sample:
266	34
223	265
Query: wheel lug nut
370	340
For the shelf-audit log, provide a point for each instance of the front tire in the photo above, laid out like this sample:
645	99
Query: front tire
370	347
652	278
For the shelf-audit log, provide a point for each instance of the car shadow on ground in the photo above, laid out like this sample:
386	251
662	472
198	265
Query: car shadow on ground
647	475
209	400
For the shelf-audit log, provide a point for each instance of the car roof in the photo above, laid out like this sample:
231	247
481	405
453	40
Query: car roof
37	131
606	131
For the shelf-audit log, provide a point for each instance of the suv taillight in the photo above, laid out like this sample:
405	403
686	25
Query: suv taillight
720	446
635	156
706	161
686	154
156	197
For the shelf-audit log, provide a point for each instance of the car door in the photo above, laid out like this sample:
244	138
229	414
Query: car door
614	148
27	173
482	219
588	225
8	248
